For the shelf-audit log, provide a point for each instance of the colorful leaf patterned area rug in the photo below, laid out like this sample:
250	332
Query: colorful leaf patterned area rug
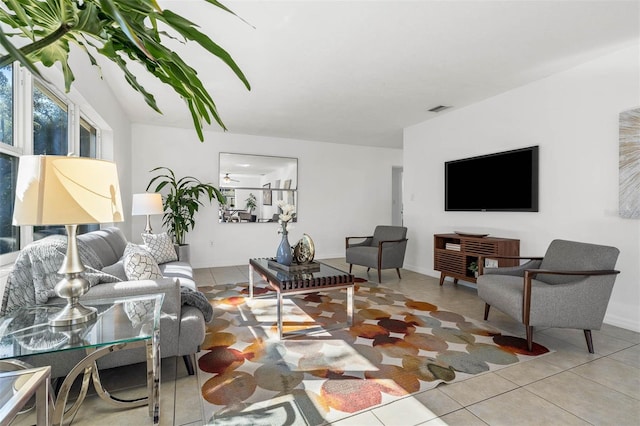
397	346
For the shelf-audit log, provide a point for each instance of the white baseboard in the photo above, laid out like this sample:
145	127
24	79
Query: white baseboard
621	322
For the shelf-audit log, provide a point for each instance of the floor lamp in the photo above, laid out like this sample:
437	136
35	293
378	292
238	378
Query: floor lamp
147	203
58	190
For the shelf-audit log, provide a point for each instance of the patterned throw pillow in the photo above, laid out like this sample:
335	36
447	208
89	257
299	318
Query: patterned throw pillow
139	264
134	248
139	310
161	247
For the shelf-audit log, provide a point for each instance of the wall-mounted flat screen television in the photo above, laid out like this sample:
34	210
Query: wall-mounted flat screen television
504	181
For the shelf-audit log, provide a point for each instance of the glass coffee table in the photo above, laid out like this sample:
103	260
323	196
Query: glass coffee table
121	324
314	278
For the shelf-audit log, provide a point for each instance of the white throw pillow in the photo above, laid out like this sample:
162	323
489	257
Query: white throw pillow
139	264
134	248
161	247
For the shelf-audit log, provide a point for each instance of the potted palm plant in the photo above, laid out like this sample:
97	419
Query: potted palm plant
181	204
251	204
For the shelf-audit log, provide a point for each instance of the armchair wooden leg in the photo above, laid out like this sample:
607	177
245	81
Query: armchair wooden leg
350	267
529	337
379	277
398	271
587	336
188	363
486	311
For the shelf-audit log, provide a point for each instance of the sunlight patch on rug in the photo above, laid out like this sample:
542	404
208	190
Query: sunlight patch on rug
397	346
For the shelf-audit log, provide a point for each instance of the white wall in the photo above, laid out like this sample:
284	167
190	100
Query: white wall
573	117
343	190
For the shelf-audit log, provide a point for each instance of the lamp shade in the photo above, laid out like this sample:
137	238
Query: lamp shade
60	190
147	203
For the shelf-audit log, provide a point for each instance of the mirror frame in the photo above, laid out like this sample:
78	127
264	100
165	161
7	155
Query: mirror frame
259	174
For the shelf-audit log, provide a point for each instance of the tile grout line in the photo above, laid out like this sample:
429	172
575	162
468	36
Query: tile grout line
602	384
553	403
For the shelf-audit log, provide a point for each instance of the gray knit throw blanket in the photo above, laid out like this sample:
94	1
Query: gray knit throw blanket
35	272
198	300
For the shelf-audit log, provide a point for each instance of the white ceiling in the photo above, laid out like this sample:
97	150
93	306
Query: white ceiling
358	72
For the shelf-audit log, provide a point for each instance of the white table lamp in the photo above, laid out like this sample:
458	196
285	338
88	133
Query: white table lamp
59	190
147	204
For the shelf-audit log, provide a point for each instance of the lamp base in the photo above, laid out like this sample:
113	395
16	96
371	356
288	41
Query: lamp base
72	286
147	228
73	314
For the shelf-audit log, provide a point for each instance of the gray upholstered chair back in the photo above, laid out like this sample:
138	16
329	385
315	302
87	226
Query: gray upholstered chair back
575	256
385	249
386	233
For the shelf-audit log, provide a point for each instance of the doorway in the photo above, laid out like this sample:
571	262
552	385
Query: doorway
396	196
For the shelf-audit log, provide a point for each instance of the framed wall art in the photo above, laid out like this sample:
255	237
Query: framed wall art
266	194
629	164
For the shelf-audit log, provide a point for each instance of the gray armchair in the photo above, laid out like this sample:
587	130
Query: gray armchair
383	250
569	287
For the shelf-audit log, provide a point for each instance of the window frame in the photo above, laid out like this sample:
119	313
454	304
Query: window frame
23	85
17	148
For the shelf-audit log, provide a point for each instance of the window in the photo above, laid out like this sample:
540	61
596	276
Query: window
6	105
35	120
50	137
9	234
50	123
88	148
88	139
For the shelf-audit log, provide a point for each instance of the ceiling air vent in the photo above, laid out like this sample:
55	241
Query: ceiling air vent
439	108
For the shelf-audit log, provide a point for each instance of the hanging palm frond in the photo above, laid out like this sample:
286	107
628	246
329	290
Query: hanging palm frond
123	31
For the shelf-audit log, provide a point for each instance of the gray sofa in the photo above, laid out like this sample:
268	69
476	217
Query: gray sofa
182	327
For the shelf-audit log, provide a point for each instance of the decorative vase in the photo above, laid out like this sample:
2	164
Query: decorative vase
284	255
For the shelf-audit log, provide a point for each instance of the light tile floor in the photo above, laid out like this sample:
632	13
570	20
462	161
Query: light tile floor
569	386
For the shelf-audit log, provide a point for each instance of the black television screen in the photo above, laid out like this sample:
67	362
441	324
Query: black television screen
504	181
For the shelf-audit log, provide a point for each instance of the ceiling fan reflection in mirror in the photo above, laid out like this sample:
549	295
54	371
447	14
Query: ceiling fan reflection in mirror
228	179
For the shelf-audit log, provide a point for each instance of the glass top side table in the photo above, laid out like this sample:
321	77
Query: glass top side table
17	387
121	324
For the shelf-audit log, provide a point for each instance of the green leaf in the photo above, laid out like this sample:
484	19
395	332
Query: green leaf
124	32
187	29
16	55
226	9
182	202
109	7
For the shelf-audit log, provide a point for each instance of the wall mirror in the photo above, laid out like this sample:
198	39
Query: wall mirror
253	186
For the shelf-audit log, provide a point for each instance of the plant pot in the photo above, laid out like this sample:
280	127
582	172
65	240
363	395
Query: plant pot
184	252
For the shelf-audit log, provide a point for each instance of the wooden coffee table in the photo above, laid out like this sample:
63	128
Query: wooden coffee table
321	278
